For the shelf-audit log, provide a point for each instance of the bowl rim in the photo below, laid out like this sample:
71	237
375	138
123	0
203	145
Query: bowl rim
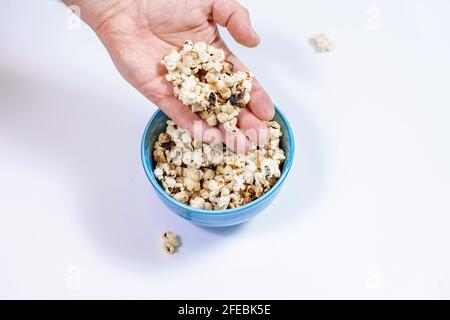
203	212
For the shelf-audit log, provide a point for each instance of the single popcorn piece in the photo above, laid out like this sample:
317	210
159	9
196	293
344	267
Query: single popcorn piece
197	202
321	43
207	83
212	177
171	242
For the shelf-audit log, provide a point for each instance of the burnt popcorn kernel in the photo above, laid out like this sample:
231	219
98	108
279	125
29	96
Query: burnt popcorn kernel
168	145
175	189
201	73
212	99
234	99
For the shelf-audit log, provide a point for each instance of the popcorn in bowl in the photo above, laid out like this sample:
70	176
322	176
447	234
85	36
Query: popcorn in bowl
206	82
212	177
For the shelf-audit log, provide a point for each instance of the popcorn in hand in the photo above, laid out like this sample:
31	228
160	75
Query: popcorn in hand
206	82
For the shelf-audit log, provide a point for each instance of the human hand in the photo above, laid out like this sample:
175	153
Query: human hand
139	33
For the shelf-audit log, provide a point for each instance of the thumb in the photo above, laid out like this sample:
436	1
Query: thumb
233	16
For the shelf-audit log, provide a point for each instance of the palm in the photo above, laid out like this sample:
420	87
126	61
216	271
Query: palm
143	32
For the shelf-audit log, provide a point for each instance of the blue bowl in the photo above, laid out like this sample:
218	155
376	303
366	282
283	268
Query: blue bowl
213	218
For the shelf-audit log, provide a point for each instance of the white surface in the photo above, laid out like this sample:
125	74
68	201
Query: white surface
365	212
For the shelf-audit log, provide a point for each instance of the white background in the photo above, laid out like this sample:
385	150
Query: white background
365	212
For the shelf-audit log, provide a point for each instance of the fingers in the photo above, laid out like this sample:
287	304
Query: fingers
254	128
236	19
200	130
179	113
233	16
260	103
236	141
190	121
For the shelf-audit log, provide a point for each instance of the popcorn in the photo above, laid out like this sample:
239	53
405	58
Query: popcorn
205	81
222	202
197	202
171	242
159	173
321	43
212	177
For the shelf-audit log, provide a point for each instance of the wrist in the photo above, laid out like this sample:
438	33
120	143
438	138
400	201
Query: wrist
95	13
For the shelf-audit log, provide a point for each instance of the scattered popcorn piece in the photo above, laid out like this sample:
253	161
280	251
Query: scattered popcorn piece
171	242
205	81
321	43
214	177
